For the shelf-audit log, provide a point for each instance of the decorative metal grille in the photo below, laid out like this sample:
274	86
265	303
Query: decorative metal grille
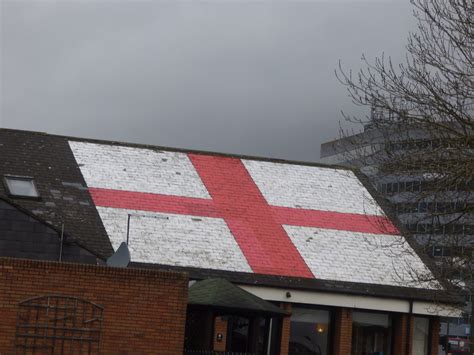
58	324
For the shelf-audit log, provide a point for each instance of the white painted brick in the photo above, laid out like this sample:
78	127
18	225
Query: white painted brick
179	240
357	257
138	169
311	187
172	239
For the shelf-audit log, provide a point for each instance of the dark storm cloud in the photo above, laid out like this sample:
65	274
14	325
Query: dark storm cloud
244	77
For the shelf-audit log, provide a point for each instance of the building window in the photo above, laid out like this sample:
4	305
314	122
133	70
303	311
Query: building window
238	338
309	331
371	333
438	251
21	186
421	332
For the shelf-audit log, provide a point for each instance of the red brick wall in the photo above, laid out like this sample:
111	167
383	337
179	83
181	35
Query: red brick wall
144	310
434	340
342	339
285	330
401	322
220	326
400	334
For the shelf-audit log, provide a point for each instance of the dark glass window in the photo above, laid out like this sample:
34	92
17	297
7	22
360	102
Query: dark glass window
21	186
309	331
269	336
402	186
438	251
371	333
254	335
416	186
274	334
238	339
395	187
421	228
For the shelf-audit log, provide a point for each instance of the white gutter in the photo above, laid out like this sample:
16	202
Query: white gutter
352	301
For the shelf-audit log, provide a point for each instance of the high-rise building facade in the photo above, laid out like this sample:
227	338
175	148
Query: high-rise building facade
442	221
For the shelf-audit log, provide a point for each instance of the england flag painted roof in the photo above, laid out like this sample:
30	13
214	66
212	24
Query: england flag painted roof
244	215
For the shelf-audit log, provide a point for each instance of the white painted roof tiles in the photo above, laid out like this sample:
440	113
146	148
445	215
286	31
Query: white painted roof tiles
141	170
216	212
312	187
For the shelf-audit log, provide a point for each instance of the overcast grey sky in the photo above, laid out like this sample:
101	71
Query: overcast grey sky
249	77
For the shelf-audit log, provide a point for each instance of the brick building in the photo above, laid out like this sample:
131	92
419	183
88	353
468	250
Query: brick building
314	241
90	309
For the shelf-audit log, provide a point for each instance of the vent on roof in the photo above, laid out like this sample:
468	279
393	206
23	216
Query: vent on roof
21	186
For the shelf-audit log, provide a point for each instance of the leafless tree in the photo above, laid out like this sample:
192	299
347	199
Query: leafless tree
421	124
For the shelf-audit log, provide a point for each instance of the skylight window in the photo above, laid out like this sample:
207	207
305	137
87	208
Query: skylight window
21	186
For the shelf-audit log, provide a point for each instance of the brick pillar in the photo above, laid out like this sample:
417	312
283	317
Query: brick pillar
342	339
285	330
220	327
402	333
434	335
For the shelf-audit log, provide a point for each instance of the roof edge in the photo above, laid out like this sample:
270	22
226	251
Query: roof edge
307	284
186	150
389	210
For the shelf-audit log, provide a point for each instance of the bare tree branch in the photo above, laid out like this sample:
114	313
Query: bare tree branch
421	127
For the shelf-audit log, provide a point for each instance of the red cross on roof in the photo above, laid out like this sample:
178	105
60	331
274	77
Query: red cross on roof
256	226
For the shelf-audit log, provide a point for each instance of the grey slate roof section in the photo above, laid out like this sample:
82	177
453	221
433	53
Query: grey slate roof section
63	193
24	236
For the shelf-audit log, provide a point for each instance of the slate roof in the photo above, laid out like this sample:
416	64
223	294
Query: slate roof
63	193
262	221
23	235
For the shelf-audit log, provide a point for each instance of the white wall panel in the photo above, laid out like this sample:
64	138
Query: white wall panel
352	301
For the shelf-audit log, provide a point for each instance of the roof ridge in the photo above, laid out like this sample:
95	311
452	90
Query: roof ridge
186	150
